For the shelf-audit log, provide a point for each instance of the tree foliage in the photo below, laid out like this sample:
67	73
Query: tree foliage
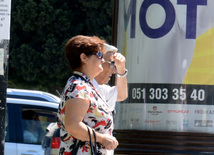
39	31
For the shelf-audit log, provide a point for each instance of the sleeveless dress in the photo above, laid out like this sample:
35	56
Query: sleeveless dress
98	116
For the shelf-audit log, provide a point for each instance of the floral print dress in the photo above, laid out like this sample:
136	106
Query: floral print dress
98	115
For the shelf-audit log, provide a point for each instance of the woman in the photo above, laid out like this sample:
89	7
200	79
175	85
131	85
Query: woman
81	104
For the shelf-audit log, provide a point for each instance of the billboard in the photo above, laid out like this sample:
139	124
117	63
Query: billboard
169	47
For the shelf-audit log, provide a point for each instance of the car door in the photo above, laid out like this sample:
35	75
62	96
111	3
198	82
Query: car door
30	123
10	146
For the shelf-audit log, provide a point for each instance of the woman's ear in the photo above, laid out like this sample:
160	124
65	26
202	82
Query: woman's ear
83	58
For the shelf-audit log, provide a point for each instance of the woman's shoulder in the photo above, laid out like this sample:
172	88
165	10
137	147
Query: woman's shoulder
77	84
78	88
76	80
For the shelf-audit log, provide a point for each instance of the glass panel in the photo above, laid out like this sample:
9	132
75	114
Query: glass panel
34	124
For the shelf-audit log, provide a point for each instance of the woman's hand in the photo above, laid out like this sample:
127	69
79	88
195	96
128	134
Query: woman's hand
109	142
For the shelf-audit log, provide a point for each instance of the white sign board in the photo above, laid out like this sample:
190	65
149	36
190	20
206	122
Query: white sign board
1	61
5	6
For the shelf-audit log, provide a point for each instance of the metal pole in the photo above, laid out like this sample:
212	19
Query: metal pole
5	6
112	82
115	22
3	88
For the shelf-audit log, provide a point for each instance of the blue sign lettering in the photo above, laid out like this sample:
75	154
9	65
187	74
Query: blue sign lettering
131	12
191	19
167	25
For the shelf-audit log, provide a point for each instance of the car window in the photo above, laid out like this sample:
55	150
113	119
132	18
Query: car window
34	124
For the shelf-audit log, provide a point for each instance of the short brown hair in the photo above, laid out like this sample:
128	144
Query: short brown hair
81	44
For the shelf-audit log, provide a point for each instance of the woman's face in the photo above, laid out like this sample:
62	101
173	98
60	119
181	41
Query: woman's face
95	65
